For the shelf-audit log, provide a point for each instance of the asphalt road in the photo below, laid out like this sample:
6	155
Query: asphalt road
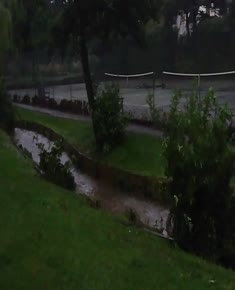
135	98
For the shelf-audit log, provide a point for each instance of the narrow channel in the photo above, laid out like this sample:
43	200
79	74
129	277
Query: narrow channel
149	213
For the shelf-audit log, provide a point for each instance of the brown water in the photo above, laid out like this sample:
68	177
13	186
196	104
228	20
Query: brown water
149	213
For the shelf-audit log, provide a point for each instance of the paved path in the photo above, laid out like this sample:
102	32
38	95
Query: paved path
131	128
135	98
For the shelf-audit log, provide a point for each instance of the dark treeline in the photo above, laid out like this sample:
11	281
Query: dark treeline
185	36
205	42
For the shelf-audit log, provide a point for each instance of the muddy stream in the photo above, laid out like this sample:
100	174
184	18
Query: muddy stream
148	212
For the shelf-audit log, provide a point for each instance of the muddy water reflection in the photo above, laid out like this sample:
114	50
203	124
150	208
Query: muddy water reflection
149	213
29	141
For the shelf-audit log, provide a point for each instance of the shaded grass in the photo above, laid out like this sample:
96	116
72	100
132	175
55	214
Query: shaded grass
140	153
51	239
76	132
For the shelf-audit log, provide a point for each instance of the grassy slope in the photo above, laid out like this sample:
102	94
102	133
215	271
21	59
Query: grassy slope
134	155
50	239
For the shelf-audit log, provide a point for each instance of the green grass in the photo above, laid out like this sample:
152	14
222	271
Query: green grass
139	153
51	240
77	132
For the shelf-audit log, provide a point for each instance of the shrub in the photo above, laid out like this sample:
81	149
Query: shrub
154	112
35	100
94	203
85	108
52	104
200	162
52	168
15	98
43	102
109	119
158	117
7	115
228	256
77	107
65	105
39	101
132	216
26	100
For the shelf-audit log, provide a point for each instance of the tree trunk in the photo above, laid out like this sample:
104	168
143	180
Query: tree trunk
187	25
86	72
87	76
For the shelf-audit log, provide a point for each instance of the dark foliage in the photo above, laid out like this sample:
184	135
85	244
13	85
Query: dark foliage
7	115
16	98
52	168
26	100
109	118
200	163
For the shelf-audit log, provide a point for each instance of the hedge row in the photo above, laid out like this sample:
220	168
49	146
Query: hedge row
75	107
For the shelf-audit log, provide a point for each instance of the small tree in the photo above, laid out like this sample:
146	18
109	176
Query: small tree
82	20
109	117
200	162
52	168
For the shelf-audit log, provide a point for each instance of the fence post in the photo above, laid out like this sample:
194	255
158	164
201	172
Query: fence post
199	85
154	84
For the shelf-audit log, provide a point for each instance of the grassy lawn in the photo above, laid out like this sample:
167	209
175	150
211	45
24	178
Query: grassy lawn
139	153
51	240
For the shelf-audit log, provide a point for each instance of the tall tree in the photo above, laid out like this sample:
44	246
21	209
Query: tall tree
30	28
5	33
30	22
83	19
200	163
6	108
189	8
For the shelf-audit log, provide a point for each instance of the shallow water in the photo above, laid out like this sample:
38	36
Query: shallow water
149	213
29	141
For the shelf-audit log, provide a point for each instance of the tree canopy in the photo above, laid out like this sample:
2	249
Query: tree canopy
5	32
80	20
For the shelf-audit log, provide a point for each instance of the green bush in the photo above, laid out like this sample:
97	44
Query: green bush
158	116
26	100
16	98
132	216
109	118
200	162
39	101
7	116
154	112
52	168
52	104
